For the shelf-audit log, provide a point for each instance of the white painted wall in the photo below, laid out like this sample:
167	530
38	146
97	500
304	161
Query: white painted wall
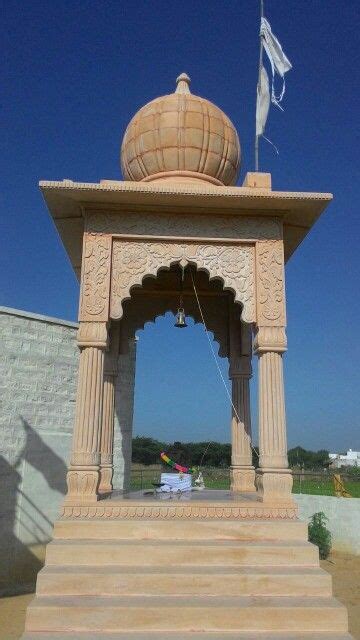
343	515
38	378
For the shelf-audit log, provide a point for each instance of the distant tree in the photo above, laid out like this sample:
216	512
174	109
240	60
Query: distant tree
299	457
351	471
179	453
146	450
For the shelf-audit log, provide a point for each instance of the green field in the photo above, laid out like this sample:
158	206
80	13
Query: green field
324	487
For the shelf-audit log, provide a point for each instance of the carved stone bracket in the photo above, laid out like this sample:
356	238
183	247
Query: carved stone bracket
234	265
95	277
270	283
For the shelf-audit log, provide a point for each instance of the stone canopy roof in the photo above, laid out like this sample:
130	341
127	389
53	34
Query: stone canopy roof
67	202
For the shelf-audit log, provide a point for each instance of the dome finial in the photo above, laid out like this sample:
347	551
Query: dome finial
183	82
181	138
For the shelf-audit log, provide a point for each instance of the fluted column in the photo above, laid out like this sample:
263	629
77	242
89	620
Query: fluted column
83	473
108	413
107	436
242	470
274	477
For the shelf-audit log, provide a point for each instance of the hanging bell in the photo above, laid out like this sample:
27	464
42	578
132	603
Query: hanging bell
180	319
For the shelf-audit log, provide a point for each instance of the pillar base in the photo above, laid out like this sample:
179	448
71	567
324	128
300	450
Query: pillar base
82	485
105	484
242	479
275	485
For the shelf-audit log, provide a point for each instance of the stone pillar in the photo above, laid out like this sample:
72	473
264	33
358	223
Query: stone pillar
83	473
242	476
124	408
107	435
108	413
242	470
274	478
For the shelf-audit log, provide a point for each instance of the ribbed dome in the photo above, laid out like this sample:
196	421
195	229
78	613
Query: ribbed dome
182	138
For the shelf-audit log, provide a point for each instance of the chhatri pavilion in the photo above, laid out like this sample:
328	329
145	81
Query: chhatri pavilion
211	564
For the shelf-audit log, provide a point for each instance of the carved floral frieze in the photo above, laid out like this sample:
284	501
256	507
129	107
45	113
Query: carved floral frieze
234	265
270	283
95	277
174	512
186	225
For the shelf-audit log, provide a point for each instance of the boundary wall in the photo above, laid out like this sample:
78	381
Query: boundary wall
38	379
343	515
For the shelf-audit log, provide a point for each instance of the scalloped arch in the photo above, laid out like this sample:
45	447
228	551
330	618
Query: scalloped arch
233	265
139	312
197	321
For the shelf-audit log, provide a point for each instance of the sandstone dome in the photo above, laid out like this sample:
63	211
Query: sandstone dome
183	138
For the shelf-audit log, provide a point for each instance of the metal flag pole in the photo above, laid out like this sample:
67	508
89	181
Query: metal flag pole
258	88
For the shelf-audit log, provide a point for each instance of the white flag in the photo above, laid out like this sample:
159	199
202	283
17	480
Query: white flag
262	102
279	62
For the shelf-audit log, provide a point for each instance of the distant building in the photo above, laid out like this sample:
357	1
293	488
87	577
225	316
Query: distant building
350	459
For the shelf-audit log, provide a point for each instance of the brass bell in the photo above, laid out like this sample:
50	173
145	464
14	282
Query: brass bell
180	319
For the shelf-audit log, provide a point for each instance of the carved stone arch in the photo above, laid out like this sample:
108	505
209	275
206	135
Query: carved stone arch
233	264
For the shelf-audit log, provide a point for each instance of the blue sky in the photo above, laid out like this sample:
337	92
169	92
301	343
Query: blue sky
73	76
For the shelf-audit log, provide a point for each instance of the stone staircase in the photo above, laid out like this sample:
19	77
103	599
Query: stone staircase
200	579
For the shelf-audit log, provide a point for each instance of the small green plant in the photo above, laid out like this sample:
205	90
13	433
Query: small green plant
319	534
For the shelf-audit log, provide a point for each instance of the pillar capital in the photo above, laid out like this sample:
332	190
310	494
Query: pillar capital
270	339
93	334
240	367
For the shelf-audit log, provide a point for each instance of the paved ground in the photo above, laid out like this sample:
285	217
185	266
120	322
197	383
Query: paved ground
344	568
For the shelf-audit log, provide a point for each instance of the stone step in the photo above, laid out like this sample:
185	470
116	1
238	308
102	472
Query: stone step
156	635
231	581
181	553
194	613
181	530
